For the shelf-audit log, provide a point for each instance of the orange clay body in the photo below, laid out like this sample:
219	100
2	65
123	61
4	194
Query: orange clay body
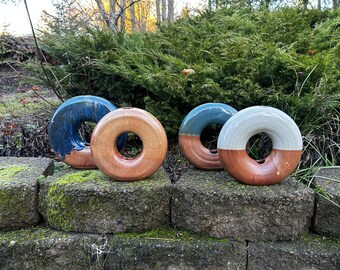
198	155
111	162
80	159
277	166
279	127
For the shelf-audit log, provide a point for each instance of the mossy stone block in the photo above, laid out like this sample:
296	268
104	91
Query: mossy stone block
88	201
41	248
213	203
19	190
308	252
327	212
173	250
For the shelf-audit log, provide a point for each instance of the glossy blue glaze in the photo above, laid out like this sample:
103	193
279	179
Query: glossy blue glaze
205	115
63	130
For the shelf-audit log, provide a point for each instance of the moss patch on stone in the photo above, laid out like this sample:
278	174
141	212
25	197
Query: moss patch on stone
43	248
95	178
318	240
89	201
8	200
172	235
80	177
58	200
33	234
18	196
9	172
174	249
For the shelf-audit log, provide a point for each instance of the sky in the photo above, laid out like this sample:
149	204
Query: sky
14	20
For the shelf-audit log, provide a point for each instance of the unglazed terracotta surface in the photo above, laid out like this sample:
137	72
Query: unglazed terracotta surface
190	131
286	140
63	130
108	158
276	167
80	159
198	155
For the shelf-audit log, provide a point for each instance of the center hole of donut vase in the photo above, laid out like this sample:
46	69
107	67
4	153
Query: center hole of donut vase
85	131
209	136
259	147
133	147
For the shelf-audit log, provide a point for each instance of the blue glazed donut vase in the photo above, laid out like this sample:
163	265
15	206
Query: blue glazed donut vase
190	133
63	130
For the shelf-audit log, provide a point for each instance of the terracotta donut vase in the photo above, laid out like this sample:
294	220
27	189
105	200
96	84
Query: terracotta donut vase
189	137
285	137
108	158
63	130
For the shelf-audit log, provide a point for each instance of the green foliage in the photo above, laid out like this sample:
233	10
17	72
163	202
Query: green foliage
287	58
15	49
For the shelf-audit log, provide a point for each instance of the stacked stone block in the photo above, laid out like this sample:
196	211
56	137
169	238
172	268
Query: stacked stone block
80	219
215	204
19	190
327	211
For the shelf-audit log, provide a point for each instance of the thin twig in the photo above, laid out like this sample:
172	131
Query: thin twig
41	55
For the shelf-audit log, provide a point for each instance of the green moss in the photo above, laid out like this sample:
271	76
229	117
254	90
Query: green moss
12	202
72	193
34	233
61	212
95	177
171	235
57	201
6	200
12	207
41	177
80	177
319	240
9	172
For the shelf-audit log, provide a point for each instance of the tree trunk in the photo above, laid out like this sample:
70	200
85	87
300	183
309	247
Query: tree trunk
142	19
107	19
133	17
319	5
164	11
305	4
158	11
115	16
112	8
335	4
123	15
171	13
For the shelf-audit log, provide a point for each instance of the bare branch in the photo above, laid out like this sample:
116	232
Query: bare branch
112	7
40	54
112	20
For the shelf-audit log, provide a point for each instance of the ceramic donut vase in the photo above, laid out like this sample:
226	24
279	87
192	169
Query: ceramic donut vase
284	134
189	137
63	130
106	155
112	125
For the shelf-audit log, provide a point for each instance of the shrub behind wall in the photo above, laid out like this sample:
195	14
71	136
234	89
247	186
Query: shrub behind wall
288	59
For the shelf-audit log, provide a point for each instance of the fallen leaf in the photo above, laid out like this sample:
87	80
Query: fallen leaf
35	88
312	52
24	100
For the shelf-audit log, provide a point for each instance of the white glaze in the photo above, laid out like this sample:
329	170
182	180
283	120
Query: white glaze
281	129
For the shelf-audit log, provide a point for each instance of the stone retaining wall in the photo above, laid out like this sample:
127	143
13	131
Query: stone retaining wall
80	219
